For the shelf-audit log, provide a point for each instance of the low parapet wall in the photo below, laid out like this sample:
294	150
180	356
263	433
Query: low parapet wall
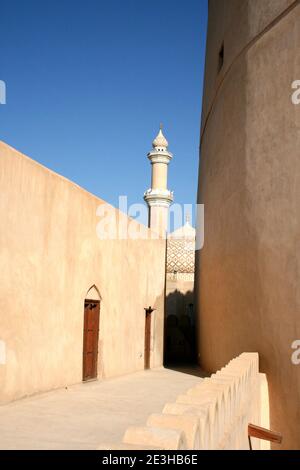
213	415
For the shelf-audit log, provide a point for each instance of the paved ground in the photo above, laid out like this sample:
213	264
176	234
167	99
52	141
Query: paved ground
86	415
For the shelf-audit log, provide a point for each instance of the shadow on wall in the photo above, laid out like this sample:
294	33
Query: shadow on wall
180	344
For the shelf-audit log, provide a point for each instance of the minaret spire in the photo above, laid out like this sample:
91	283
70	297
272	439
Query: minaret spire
158	197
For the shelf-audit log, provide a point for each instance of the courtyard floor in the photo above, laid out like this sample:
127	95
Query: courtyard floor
87	415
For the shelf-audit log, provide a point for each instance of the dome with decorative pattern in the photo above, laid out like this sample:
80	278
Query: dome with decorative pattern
181	250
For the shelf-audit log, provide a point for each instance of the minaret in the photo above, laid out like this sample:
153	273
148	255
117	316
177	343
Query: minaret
158	197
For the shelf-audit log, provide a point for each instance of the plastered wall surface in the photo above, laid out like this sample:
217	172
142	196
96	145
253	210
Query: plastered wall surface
247	276
50	256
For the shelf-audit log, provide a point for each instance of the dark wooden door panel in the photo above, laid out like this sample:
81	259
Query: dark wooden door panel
89	366
90	339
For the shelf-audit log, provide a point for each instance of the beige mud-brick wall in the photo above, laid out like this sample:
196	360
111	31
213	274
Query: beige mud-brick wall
247	278
180	294
50	256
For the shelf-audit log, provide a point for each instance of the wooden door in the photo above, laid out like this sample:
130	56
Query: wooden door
147	340
90	339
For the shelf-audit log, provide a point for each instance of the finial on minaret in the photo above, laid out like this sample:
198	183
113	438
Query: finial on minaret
161	126
160	141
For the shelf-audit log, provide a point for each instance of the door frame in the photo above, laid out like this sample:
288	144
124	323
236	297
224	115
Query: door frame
147	338
94	376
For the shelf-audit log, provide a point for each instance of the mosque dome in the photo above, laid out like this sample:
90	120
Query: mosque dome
185	232
181	250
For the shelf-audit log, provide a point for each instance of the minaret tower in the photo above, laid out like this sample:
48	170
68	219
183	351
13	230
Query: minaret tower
158	197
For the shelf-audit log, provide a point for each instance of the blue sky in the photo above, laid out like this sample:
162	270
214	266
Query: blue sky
89	82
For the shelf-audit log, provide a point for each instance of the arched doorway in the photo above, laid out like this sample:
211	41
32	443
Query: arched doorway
91	334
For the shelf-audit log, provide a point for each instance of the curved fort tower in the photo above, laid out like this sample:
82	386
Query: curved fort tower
248	273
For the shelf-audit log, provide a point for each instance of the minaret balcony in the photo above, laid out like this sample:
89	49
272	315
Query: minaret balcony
159	197
160	156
